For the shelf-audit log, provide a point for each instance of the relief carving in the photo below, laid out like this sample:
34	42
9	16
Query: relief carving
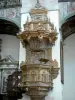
39	70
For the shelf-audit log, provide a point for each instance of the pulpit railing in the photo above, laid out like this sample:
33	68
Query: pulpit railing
45	78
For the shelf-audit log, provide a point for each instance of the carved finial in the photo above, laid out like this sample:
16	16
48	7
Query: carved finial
38	5
37	1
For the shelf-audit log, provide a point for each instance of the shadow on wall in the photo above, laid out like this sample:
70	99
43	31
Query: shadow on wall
10	46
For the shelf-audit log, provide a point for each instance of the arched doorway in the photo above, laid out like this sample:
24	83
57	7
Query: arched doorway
67	29
68	44
8	27
9	43
9	51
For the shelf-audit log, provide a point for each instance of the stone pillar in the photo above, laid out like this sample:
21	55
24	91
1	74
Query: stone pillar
61	57
0	47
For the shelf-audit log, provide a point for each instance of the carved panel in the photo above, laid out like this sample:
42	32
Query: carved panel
9	3
36	56
35	44
66	8
11	13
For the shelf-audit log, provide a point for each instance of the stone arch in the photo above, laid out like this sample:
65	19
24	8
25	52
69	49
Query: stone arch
67	29
66	18
10	20
69	66
8	30
8	26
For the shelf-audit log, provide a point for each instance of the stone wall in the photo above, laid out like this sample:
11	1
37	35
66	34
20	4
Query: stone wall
11	14
66	9
69	68
10	46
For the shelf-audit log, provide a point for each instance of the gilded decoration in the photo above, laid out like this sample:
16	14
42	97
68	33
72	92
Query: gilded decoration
38	37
